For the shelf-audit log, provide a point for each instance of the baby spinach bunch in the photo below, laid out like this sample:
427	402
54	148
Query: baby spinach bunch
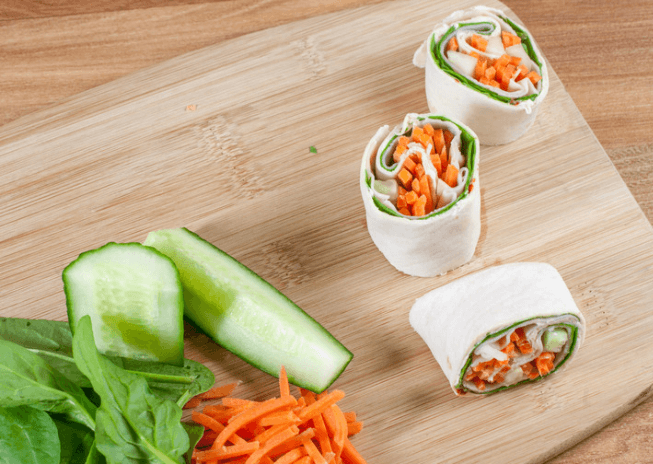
64	402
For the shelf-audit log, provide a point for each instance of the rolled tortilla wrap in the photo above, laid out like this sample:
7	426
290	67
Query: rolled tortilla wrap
498	115
500	327
445	235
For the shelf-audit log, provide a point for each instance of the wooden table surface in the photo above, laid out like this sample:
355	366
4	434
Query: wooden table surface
601	50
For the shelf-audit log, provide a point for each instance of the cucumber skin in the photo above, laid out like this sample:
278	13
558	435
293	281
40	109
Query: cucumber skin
257	281
179	360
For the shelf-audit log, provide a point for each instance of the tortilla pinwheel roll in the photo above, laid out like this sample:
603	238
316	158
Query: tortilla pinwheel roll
500	327
486	71
421	192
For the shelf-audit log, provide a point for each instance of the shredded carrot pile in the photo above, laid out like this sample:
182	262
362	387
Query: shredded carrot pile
499	72
494	371
311	429
416	196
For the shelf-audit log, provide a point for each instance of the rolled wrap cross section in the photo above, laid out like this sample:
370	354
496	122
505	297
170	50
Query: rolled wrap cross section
469	324
498	116
443	239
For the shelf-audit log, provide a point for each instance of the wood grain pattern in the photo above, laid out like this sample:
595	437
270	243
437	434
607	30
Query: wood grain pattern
41	78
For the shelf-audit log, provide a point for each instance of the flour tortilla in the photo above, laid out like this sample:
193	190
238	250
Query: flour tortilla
442	241
470	314
495	122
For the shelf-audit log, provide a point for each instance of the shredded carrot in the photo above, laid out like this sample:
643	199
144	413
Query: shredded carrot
313	452
479	42
419	208
438	140
237	402
350	455
291	456
415	194
417	133
353	428
284	387
534	77
283	430
450	177
193	403
320	405
250	415
419	172
405	177
276	440
415	185
228	452
437	164
452	44
283	417
411	197
425	189
410	165
509	39
218	392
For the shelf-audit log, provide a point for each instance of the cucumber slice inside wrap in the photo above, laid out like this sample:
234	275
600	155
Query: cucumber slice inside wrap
134	297
248	316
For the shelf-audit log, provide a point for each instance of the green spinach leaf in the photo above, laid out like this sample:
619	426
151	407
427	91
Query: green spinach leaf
26	379
76	441
195	433
133	424
164	379
27	436
51	340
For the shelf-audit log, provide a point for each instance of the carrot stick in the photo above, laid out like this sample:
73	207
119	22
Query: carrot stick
313	452
353	428
444	159
425	189
320	405
207	421
451	176
237	402
304	460
437	164
329	417
283	417
219	392
193	403
228	452
284	387
340	434
350	416
262	438
452	45
250	415
295	442
350	455
276	440
291	456
207	439
216	426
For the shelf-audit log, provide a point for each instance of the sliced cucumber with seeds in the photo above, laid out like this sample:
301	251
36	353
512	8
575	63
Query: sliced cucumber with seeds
248	316
135	299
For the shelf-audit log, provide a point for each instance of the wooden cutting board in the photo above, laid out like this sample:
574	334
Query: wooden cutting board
128	157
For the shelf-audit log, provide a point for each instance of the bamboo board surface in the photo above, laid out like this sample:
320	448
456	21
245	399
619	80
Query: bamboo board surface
120	160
